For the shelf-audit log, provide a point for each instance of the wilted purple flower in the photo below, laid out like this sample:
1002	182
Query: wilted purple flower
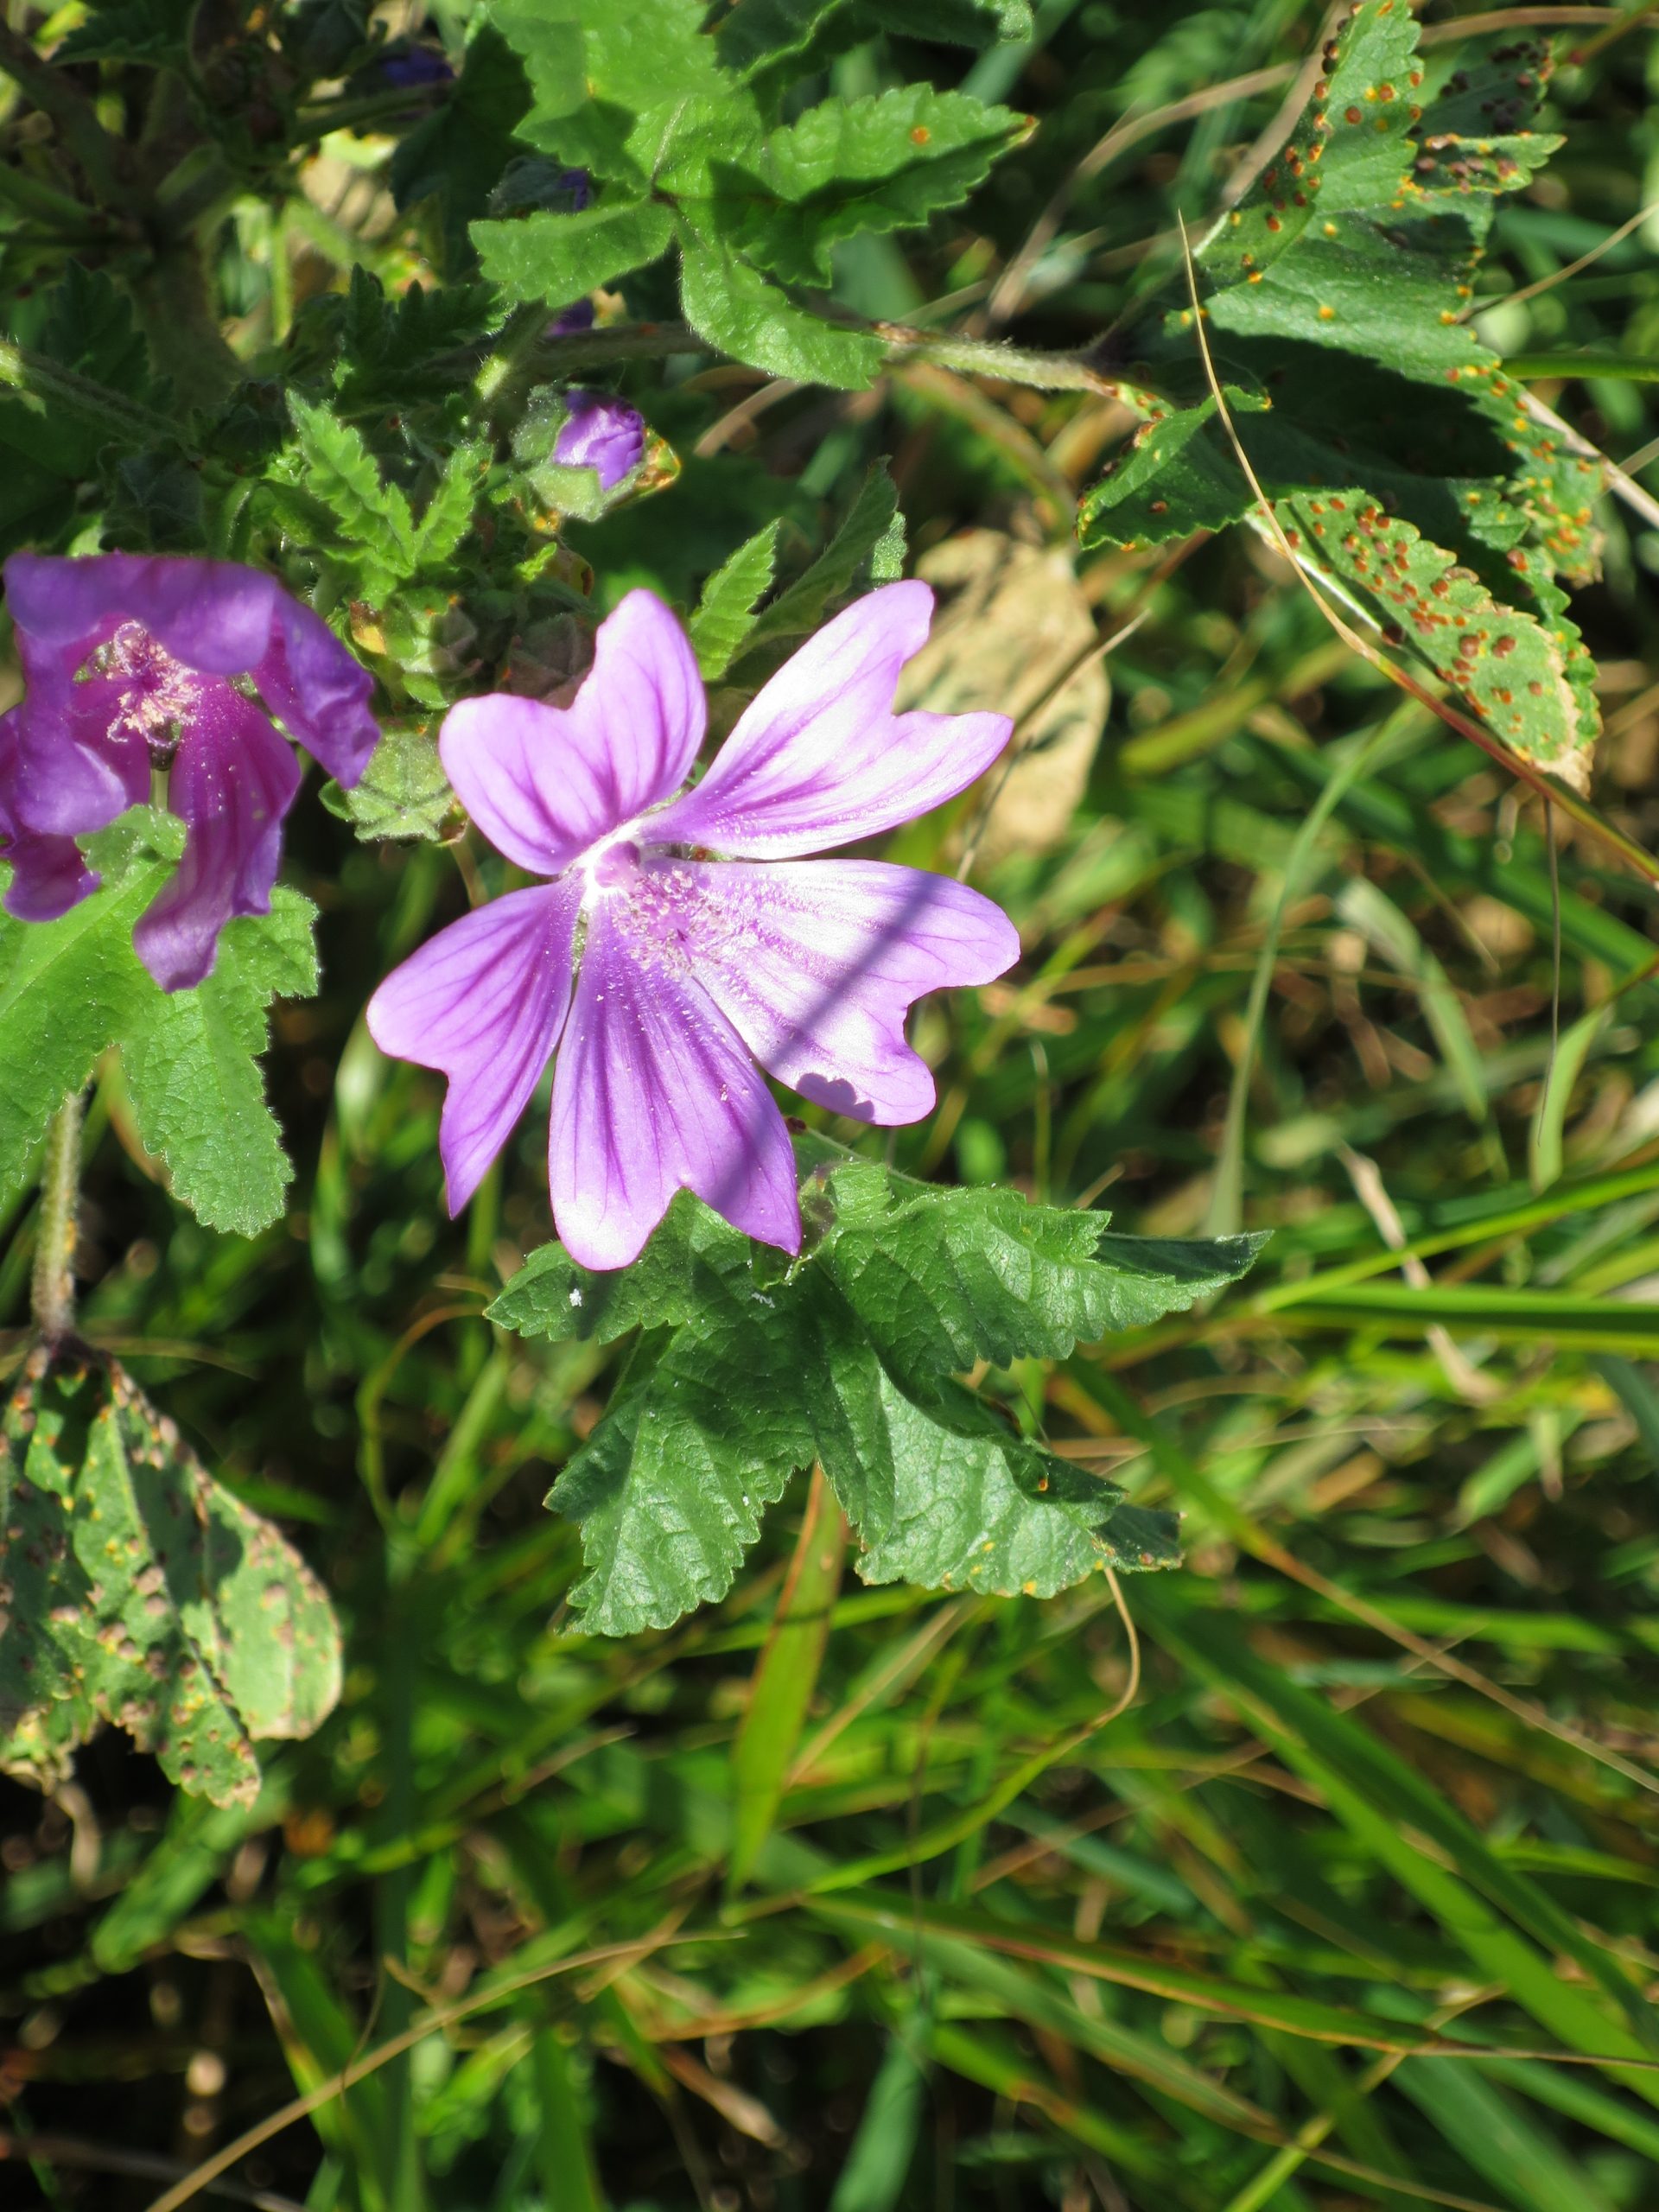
681	935
602	434
134	663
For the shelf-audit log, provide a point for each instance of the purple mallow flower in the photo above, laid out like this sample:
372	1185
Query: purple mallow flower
602	434
680	936
135	663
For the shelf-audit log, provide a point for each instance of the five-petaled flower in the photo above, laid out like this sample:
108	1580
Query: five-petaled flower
136	664
680	936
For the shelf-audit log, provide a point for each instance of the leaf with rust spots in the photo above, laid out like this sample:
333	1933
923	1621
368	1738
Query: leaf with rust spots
136	1590
1337	296
1508	666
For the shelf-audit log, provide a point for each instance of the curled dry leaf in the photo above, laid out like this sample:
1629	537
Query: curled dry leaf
1012	621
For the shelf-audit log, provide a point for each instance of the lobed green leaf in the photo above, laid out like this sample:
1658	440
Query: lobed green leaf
402	794
884	163
191	1061
749	1370
724	617
68	990
560	258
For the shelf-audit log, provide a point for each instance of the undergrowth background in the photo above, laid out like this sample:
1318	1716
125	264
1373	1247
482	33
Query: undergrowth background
1387	1762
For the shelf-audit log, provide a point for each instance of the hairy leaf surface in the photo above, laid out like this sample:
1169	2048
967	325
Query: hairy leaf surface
750	1368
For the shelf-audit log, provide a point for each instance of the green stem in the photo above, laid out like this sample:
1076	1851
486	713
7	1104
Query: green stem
93	404
314	123
557	358
982	357
103	157
48	204
516	342
52	1289
1621	368
183	331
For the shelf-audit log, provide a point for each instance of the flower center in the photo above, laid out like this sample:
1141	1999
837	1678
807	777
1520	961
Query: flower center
154	695
614	864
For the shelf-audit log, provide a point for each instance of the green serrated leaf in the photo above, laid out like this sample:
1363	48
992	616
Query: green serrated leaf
154	31
799	610
941	1491
191	1061
616	88
447	515
337	469
1360	237
89	328
734	308
942	1277
692	1252
403	793
1172	479
67	990
748	1370
378	347
669	1490
883	163
725	613
560	258
638	98
140	1593
1505	664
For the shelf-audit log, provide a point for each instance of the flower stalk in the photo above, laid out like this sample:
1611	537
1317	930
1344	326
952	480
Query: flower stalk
88	402
52	1289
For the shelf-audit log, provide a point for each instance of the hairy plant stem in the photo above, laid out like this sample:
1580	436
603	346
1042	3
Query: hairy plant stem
314	123
93	404
645	341
183	331
70	216
52	1289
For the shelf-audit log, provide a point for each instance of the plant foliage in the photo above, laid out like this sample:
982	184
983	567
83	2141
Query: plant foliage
811	1806
747	1375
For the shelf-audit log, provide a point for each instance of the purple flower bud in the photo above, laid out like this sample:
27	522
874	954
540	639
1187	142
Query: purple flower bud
602	434
414	65
134	663
569	320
